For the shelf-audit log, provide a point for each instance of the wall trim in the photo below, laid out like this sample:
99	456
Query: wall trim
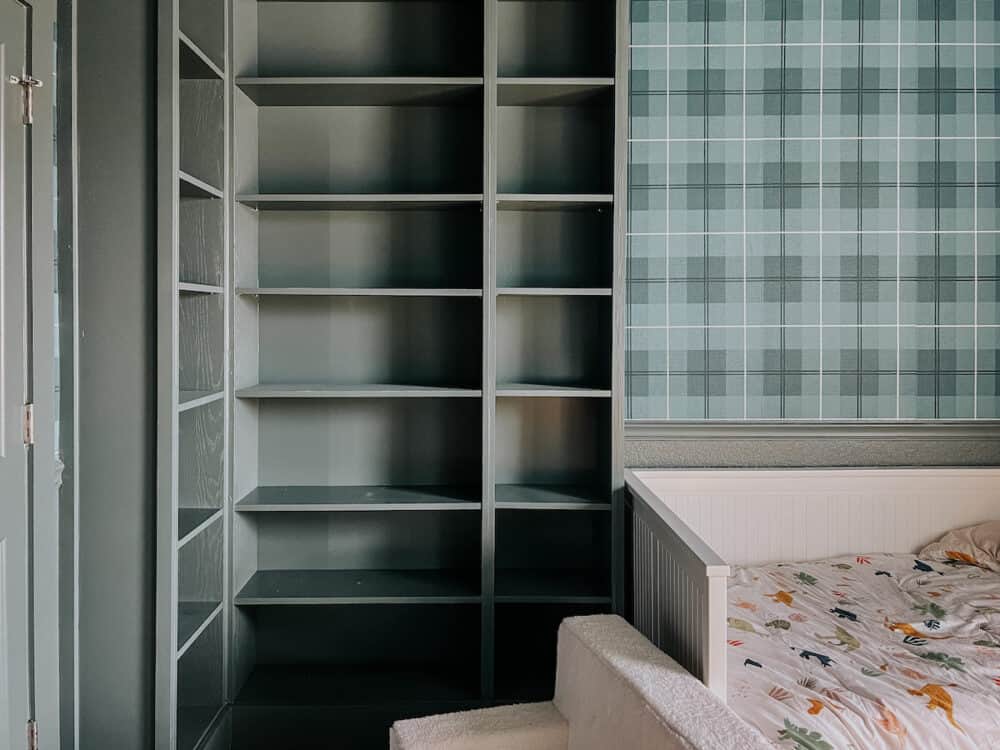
658	430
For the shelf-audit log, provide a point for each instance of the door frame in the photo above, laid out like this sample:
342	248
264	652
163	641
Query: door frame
44	511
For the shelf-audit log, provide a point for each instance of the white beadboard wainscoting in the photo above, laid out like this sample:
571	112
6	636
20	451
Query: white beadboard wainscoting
759	516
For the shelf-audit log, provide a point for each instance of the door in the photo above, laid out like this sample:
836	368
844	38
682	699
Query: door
15	695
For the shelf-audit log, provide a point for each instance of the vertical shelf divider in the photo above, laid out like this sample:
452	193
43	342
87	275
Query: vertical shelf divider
622	40
490	122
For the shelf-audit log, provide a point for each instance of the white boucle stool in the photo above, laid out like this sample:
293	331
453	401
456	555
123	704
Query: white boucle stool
614	691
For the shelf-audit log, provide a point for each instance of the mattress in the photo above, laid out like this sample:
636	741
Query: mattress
867	652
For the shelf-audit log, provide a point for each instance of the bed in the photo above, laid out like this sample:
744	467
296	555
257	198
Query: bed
858	644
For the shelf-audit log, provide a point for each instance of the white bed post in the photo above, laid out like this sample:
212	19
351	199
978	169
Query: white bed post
715	645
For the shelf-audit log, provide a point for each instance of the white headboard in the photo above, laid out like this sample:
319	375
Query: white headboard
758	516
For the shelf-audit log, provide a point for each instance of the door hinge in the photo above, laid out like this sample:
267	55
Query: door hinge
29	424
28	85
32	735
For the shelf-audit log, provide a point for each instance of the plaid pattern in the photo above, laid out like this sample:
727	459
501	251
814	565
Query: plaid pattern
814	193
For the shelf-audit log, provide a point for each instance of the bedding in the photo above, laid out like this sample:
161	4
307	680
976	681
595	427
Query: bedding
867	652
976	545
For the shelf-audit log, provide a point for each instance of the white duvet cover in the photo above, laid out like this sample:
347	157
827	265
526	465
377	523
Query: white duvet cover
867	652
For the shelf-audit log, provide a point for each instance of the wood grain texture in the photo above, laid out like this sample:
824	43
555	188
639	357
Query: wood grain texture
201	357
203	129
200	238
201	457
200	567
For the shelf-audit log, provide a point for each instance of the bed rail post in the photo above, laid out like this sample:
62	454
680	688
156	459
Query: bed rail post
676	587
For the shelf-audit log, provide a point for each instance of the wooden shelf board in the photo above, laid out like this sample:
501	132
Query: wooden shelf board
192	187
189	287
194	63
320	390
358	91
549	497
534	92
552	201
192	619
550	586
194	399
360	498
553	291
538	390
357	292
192	520
357	202
361	686
304	587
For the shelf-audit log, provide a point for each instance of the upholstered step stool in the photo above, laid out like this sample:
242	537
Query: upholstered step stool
614	691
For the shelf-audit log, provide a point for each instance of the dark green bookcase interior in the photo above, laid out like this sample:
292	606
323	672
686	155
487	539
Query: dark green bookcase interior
398	294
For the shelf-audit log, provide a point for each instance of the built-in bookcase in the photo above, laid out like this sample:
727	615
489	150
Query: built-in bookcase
193	404
419	473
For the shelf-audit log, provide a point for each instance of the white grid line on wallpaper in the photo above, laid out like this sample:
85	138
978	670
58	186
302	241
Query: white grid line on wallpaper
975	232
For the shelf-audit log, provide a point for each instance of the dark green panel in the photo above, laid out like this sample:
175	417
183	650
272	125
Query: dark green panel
390	340
553	441
376	149
526	648
401	37
371	248
556	37
385	540
554	248
361	441
553	340
558	149
420	638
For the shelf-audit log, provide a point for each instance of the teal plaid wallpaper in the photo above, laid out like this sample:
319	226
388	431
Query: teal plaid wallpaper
814	210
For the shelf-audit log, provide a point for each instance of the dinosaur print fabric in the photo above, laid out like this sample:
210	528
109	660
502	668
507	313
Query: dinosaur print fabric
867	652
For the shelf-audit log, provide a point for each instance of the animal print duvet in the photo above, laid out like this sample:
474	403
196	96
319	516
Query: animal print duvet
868	652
